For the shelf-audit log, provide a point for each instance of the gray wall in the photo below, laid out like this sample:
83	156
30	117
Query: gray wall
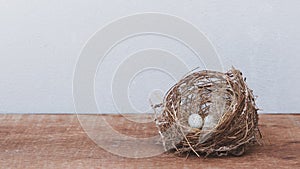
40	42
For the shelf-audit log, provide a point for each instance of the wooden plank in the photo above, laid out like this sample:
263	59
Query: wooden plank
58	141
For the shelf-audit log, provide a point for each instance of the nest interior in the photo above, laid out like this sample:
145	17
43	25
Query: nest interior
227	109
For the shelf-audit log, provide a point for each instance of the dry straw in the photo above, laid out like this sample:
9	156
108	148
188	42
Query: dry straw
227	109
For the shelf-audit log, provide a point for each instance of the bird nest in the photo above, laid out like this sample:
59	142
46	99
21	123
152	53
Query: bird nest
208	113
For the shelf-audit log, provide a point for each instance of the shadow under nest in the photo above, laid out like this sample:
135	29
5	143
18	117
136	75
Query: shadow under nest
227	110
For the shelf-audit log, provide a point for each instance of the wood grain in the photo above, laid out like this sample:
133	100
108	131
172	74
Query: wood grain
59	141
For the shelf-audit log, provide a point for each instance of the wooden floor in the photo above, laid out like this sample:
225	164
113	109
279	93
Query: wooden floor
59	141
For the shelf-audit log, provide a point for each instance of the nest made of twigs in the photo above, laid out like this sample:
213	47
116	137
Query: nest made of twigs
227	109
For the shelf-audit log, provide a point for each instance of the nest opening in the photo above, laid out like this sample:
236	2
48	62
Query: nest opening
229	118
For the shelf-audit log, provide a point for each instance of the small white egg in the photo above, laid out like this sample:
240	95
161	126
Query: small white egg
210	122
195	121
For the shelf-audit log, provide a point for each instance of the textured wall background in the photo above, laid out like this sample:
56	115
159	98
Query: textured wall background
40	42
